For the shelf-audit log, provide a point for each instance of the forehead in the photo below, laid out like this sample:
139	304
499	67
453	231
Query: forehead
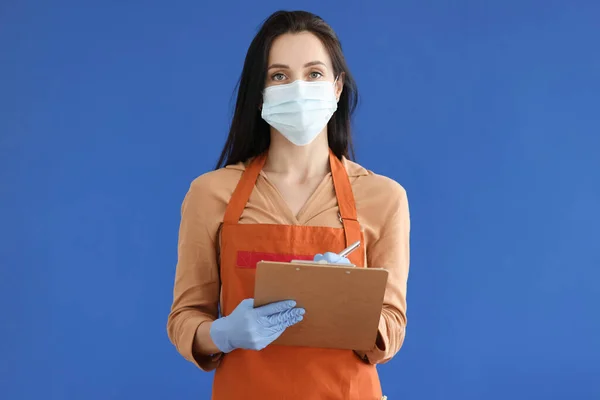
297	49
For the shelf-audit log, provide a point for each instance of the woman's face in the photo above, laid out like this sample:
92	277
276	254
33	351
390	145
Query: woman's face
302	56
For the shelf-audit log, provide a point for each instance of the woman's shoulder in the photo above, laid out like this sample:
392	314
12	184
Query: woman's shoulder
380	200
367	182
219	179
213	189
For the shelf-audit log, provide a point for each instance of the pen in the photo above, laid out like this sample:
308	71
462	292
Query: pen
349	249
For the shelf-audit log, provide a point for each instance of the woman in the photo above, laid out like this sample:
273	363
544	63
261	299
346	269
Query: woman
283	188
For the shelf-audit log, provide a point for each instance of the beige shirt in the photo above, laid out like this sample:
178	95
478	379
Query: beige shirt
383	214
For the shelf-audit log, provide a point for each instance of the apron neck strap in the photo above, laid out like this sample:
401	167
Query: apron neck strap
345	199
341	184
343	188
243	190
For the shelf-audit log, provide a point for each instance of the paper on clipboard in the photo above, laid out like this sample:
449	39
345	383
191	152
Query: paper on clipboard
321	263
343	303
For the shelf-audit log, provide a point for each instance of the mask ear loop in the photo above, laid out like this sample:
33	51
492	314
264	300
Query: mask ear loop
334	82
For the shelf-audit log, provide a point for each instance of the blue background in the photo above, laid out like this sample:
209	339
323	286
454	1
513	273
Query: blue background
486	112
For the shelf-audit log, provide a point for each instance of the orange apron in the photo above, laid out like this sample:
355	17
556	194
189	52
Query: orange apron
284	372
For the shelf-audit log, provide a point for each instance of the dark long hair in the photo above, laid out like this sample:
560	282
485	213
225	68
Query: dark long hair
249	134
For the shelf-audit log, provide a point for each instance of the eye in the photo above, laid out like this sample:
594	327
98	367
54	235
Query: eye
278	77
315	75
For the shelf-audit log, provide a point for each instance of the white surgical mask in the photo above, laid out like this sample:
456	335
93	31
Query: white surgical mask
299	110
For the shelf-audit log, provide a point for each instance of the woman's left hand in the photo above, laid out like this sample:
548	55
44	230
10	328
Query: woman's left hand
331	258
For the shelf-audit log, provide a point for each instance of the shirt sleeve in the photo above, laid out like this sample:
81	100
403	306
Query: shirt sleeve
391	251
196	289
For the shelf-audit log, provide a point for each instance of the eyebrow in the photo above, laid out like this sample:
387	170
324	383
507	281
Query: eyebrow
308	64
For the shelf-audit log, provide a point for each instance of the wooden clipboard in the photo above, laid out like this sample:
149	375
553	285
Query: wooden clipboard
343	304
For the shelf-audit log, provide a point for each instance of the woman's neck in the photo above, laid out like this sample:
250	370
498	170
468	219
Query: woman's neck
298	163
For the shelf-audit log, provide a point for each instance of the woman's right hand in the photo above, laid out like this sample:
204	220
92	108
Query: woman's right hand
254	328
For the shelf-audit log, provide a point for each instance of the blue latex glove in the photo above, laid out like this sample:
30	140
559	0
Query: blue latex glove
254	328
332	258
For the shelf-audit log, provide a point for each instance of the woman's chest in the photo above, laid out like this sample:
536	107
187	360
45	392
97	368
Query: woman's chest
312	203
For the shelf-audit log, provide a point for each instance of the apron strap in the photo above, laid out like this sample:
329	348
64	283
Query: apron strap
243	190
341	183
345	198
